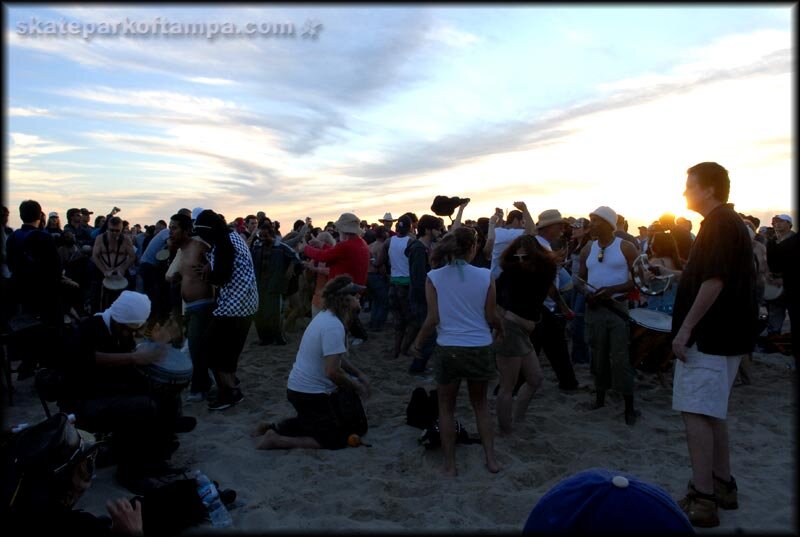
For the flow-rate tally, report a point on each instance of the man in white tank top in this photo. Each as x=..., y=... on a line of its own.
x=606, y=264
x=393, y=254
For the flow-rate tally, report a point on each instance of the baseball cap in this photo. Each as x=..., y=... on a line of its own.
x=53, y=214
x=600, y=500
x=785, y=218
x=84, y=210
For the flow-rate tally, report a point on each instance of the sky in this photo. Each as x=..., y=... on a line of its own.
x=379, y=108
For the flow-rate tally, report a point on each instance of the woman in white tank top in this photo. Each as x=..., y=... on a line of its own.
x=461, y=306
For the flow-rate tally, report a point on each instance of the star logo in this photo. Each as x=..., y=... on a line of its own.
x=311, y=28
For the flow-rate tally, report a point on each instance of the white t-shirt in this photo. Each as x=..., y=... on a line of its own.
x=502, y=238
x=325, y=336
x=461, y=294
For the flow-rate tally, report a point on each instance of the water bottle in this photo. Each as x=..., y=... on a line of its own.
x=220, y=518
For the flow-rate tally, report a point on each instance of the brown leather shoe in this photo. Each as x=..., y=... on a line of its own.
x=700, y=509
x=727, y=493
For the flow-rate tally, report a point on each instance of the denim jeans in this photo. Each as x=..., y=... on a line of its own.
x=580, y=350
x=378, y=286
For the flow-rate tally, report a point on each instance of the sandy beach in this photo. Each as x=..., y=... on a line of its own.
x=394, y=486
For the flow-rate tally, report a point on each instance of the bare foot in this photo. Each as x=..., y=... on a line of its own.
x=493, y=467
x=449, y=472
x=267, y=441
x=260, y=429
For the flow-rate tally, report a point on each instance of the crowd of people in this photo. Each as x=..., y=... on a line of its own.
x=477, y=298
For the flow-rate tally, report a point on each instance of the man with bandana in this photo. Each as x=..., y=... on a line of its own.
x=103, y=388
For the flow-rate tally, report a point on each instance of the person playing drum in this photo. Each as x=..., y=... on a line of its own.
x=664, y=258
x=103, y=388
x=112, y=254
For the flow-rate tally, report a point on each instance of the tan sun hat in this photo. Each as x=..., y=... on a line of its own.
x=387, y=218
x=349, y=223
x=550, y=217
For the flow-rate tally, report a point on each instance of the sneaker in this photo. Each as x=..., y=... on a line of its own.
x=700, y=509
x=222, y=402
x=727, y=493
x=195, y=397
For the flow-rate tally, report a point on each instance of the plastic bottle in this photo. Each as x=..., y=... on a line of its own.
x=217, y=512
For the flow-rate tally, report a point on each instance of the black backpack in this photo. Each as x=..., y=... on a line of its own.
x=423, y=409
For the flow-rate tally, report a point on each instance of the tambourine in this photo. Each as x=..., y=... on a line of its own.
x=647, y=282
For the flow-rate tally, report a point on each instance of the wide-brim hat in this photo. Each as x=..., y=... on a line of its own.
x=349, y=223
x=387, y=218
x=52, y=445
x=550, y=217
x=446, y=206
x=604, y=501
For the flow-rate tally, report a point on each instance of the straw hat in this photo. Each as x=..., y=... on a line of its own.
x=550, y=217
x=349, y=223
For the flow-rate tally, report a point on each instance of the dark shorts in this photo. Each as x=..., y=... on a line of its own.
x=315, y=418
x=224, y=340
x=468, y=363
x=516, y=340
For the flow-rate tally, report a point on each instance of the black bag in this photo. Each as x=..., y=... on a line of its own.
x=172, y=508
x=423, y=409
x=431, y=437
x=349, y=411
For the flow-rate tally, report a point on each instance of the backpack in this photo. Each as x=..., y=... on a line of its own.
x=423, y=409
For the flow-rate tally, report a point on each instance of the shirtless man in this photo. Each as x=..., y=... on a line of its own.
x=112, y=254
x=197, y=295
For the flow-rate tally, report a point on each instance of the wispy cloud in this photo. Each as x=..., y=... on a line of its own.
x=25, y=147
x=211, y=81
x=19, y=111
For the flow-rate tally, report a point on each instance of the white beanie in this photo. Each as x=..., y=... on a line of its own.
x=129, y=308
x=606, y=213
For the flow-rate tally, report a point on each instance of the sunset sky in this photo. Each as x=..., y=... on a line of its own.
x=565, y=107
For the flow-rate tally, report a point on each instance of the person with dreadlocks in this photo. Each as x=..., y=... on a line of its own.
x=319, y=371
x=230, y=268
x=462, y=309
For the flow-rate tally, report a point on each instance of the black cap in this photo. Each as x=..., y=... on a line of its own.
x=84, y=210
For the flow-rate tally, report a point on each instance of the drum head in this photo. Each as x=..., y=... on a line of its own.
x=771, y=292
x=115, y=283
x=654, y=320
x=162, y=255
x=174, y=367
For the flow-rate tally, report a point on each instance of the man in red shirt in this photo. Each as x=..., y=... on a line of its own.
x=350, y=256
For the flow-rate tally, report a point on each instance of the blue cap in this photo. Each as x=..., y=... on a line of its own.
x=604, y=501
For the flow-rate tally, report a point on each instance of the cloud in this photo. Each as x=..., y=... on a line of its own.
x=452, y=37
x=17, y=111
x=211, y=81
x=25, y=147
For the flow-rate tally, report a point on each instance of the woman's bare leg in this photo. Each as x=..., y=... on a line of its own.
x=477, y=397
x=446, y=394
